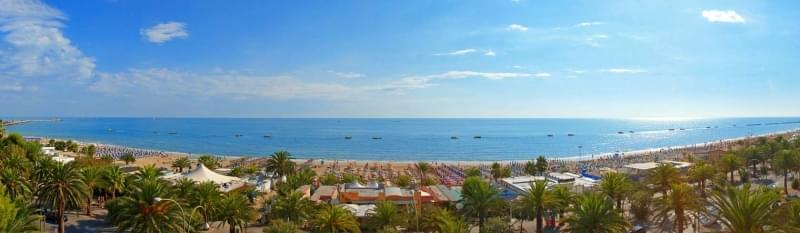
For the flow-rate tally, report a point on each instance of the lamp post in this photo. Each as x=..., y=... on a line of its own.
x=183, y=214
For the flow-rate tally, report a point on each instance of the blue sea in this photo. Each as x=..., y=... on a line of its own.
x=403, y=139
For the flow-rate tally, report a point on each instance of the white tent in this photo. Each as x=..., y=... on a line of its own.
x=203, y=174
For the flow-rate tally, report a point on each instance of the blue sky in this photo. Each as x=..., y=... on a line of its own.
x=399, y=59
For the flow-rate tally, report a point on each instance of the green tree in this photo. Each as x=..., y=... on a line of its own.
x=541, y=165
x=280, y=163
x=616, y=186
x=789, y=217
x=403, y=181
x=91, y=150
x=211, y=162
x=236, y=211
x=595, y=213
x=539, y=200
x=498, y=225
x=128, y=158
x=208, y=196
x=181, y=163
x=386, y=214
x=63, y=189
x=744, y=209
x=16, y=216
x=499, y=171
x=329, y=179
x=641, y=203
x=423, y=167
x=93, y=178
x=700, y=173
x=530, y=168
x=785, y=161
x=662, y=177
x=332, y=218
x=478, y=198
x=146, y=209
x=472, y=171
x=730, y=163
x=16, y=185
x=292, y=207
x=114, y=180
x=676, y=207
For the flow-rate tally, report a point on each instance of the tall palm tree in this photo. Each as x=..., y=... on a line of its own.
x=700, y=173
x=386, y=214
x=662, y=177
x=530, y=168
x=595, y=213
x=292, y=207
x=114, y=179
x=128, y=158
x=745, y=210
x=24, y=220
x=93, y=178
x=499, y=171
x=541, y=165
x=539, y=199
x=641, y=202
x=206, y=195
x=334, y=219
x=184, y=188
x=478, y=198
x=236, y=211
x=564, y=198
x=209, y=161
x=148, y=172
x=146, y=209
x=676, y=207
x=785, y=161
x=16, y=185
x=181, y=163
x=280, y=163
x=423, y=167
x=616, y=186
x=730, y=163
x=443, y=221
x=64, y=189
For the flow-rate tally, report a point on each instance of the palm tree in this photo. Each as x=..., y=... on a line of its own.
x=148, y=172
x=539, y=199
x=662, y=177
x=235, y=210
x=700, y=173
x=478, y=198
x=676, y=206
x=24, y=220
x=564, y=198
x=114, y=179
x=181, y=163
x=292, y=207
x=423, y=167
x=146, y=209
x=64, y=189
x=93, y=178
x=386, y=214
x=445, y=222
x=541, y=165
x=209, y=161
x=730, y=163
x=16, y=185
x=280, y=163
x=500, y=171
x=184, y=188
x=784, y=161
x=128, y=158
x=206, y=195
x=616, y=186
x=744, y=209
x=595, y=213
x=641, y=201
x=789, y=220
x=332, y=218
x=530, y=168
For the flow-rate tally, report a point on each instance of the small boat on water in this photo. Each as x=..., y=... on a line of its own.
x=172, y=133
x=631, y=131
x=348, y=137
x=550, y=135
x=682, y=129
x=671, y=129
x=238, y=135
x=708, y=127
x=477, y=137
x=453, y=137
x=570, y=135
x=620, y=132
x=377, y=138
x=267, y=136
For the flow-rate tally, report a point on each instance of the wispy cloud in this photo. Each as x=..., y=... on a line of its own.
x=490, y=53
x=457, y=52
x=624, y=71
x=543, y=75
x=348, y=75
x=35, y=46
x=587, y=24
x=517, y=28
x=594, y=40
x=722, y=16
x=164, y=32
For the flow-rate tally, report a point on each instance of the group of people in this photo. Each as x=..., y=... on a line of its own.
x=118, y=151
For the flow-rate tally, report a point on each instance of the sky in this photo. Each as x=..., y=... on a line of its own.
x=414, y=58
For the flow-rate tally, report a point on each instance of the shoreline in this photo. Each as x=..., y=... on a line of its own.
x=579, y=158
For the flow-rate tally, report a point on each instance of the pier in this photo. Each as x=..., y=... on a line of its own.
x=6, y=123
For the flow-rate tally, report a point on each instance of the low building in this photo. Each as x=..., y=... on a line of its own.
x=520, y=184
x=400, y=196
x=639, y=170
x=327, y=194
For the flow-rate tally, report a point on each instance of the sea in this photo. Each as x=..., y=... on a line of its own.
x=403, y=139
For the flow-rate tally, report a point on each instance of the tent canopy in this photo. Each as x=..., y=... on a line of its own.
x=203, y=174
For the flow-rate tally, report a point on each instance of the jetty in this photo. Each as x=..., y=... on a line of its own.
x=5, y=123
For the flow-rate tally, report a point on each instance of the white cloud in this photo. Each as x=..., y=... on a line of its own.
x=35, y=44
x=624, y=71
x=516, y=27
x=543, y=75
x=490, y=53
x=164, y=32
x=723, y=16
x=457, y=52
x=587, y=24
x=348, y=75
x=16, y=87
x=594, y=40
